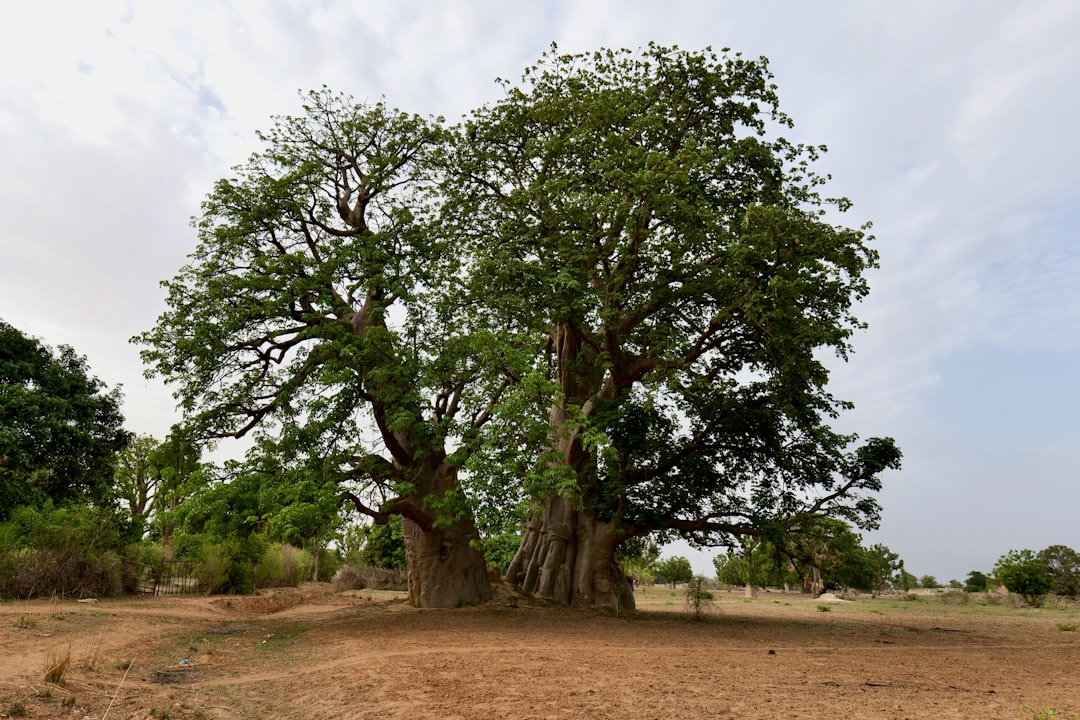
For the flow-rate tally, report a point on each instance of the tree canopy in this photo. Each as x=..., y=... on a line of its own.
x=316, y=311
x=600, y=304
x=632, y=207
x=1025, y=573
x=60, y=427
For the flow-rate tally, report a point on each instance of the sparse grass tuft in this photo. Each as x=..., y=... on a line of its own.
x=27, y=622
x=56, y=665
x=822, y=607
x=1044, y=714
x=16, y=709
x=1066, y=627
x=91, y=660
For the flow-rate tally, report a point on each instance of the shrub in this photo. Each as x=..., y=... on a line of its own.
x=350, y=577
x=499, y=550
x=1025, y=574
x=62, y=551
x=282, y=565
x=698, y=599
x=955, y=597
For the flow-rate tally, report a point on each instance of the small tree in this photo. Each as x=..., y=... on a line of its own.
x=1024, y=573
x=698, y=598
x=674, y=570
x=730, y=569
x=638, y=558
x=135, y=477
x=928, y=581
x=886, y=565
x=1063, y=564
x=60, y=427
x=384, y=546
x=976, y=582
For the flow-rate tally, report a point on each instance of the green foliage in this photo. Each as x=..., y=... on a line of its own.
x=730, y=569
x=323, y=307
x=698, y=599
x=976, y=582
x=1025, y=573
x=1063, y=564
x=60, y=428
x=885, y=567
x=282, y=565
x=384, y=546
x=63, y=551
x=499, y=550
x=1042, y=714
x=928, y=581
x=830, y=546
x=674, y=570
x=371, y=274
x=832, y=550
x=631, y=206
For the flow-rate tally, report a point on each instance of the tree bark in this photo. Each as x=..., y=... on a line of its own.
x=567, y=556
x=445, y=570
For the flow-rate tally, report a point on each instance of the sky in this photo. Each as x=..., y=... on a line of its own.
x=947, y=126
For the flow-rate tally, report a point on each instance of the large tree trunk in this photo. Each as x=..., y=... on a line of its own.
x=445, y=569
x=567, y=556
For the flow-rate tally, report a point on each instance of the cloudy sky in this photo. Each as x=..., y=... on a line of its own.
x=947, y=123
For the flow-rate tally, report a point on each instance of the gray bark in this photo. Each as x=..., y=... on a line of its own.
x=568, y=557
x=445, y=570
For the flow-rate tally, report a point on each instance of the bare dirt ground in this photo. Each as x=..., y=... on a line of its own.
x=310, y=653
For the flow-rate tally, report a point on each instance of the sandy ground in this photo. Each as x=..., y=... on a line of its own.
x=310, y=653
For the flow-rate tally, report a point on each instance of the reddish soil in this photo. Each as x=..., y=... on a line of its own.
x=310, y=653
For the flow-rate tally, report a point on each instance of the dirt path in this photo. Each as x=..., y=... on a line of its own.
x=309, y=653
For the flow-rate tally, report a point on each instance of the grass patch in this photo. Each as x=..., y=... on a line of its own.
x=1066, y=627
x=56, y=665
x=92, y=657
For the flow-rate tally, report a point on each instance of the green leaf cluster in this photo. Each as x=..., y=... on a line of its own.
x=60, y=427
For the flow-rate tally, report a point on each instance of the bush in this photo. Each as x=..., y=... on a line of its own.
x=1024, y=573
x=499, y=550
x=212, y=569
x=351, y=577
x=698, y=599
x=955, y=597
x=62, y=551
x=282, y=566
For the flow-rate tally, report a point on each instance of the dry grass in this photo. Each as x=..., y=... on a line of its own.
x=92, y=658
x=349, y=577
x=57, y=662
